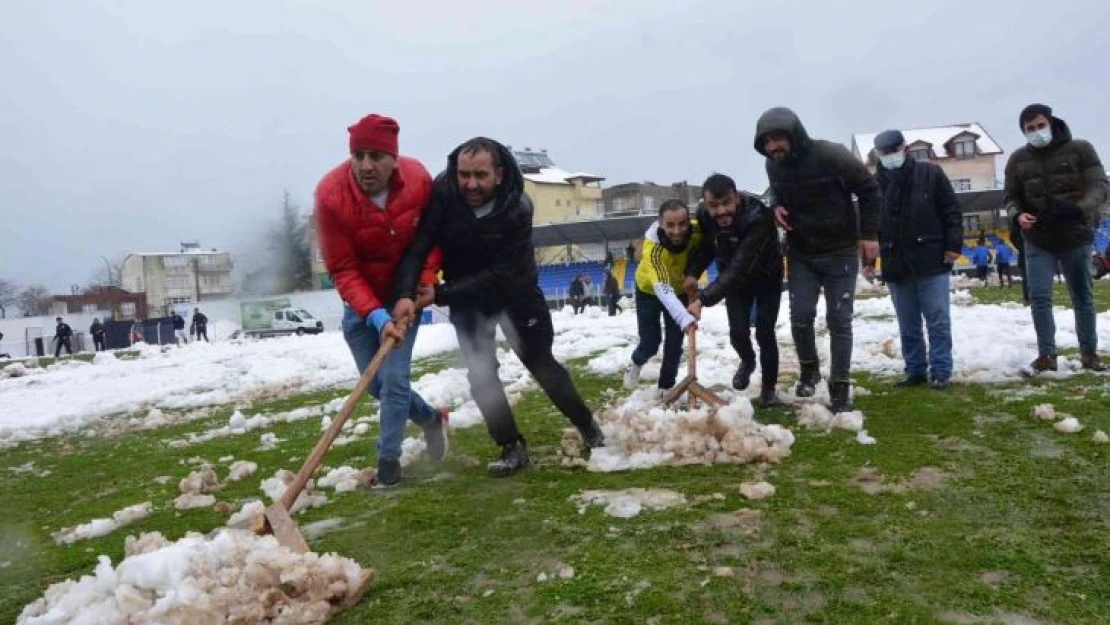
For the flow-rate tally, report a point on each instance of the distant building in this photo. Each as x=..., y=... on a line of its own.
x=644, y=198
x=558, y=195
x=190, y=276
x=109, y=301
x=321, y=279
x=966, y=152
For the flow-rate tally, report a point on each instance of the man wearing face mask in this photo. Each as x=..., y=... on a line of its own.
x=482, y=220
x=740, y=235
x=812, y=184
x=920, y=236
x=1055, y=186
x=668, y=243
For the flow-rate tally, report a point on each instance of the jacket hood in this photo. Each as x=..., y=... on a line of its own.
x=1060, y=132
x=782, y=119
x=512, y=181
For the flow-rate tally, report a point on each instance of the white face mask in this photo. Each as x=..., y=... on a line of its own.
x=893, y=161
x=1039, y=138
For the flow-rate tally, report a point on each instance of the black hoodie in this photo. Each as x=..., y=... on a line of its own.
x=487, y=261
x=1062, y=184
x=815, y=183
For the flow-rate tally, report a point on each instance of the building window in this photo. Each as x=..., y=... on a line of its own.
x=139, y=284
x=649, y=205
x=176, y=282
x=920, y=154
x=89, y=308
x=127, y=309
x=210, y=261
x=961, y=184
x=174, y=261
x=170, y=301
x=965, y=149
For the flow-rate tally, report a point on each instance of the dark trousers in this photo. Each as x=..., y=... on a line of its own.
x=1004, y=274
x=63, y=342
x=613, y=306
x=648, y=311
x=835, y=274
x=578, y=303
x=202, y=333
x=766, y=304
x=527, y=326
x=98, y=342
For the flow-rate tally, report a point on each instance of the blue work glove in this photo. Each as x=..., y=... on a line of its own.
x=377, y=319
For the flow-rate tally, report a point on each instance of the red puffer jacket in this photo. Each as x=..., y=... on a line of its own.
x=363, y=244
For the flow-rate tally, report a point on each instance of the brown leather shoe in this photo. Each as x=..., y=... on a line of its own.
x=1091, y=362
x=1043, y=363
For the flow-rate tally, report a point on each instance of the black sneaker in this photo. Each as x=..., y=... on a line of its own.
x=743, y=376
x=913, y=379
x=940, y=383
x=435, y=437
x=807, y=383
x=768, y=398
x=389, y=474
x=514, y=457
x=841, y=395
x=592, y=436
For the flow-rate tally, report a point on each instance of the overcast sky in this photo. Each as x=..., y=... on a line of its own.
x=135, y=125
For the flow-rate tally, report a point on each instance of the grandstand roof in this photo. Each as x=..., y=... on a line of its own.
x=591, y=231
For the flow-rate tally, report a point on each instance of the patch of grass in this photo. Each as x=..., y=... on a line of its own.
x=981, y=509
x=997, y=295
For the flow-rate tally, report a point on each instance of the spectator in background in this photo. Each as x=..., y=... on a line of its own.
x=200, y=325
x=981, y=258
x=612, y=292
x=1003, y=257
x=179, y=328
x=97, y=332
x=63, y=334
x=2, y=354
x=630, y=253
x=1055, y=185
x=577, y=294
x=609, y=260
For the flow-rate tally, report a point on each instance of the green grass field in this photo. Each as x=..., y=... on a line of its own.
x=967, y=510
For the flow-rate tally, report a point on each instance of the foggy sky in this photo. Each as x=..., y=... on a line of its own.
x=136, y=125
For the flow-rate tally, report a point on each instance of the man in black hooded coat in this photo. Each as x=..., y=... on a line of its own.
x=481, y=219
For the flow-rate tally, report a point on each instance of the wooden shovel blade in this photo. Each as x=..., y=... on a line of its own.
x=709, y=396
x=674, y=393
x=285, y=529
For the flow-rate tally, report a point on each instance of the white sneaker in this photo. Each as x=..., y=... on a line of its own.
x=632, y=377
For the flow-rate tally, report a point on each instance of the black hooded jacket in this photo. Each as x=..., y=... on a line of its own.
x=487, y=261
x=921, y=220
x=748, y=255
x=1062, y=184
x=815, y=183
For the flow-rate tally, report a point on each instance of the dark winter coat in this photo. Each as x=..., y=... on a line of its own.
x=920, y=221
x=96, y=329
x=178, y=322
x=748, y=255
x=1062, y=184
x=815, y=183
x=362, y=243
x=487, y=262
x=63, y=331
x=200, y=321
x=577, y=288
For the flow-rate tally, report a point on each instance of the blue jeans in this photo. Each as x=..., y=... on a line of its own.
x=836, y=274
x=924, y=297
x=648, y=311
x=1040, y=267
x=397, y=401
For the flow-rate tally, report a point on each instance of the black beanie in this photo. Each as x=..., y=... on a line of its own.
x=1032, y=111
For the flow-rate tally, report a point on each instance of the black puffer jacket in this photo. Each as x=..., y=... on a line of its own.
x=1062, y=184
x=815, y=183
x=920, y=221
x=748, y=255
x=486, y=262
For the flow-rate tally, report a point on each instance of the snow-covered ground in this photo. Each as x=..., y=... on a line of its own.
x=992, y=343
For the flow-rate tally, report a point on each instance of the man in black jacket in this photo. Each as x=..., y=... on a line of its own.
x=740, y=234
x=97, y=332
x=481, y=219
x=812, y=183
x=62, y=335
x=200, y=325
x=920, y=236
x=1055, y=185
x=179, y=328
x=577, y=293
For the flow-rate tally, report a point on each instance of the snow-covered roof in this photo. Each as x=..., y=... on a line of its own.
x=863, y=144
x=185, y=253
x=554, y=175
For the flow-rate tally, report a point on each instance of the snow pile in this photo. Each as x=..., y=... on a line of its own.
x=268, y=441
x=250, y=510
x=1100, y=438
x=1044, y=412
x=627, y=503
x=201, y=481
x=104, y=358
x=188, y=501
x=103, y=527
x=241, y=469
x=756, y=490
x=1068, y=425
x=346, y=479
x=639, y=434
x=816, y=416
x=15, y=370
x=275, y=486
x=1063, y=422
x=863, y=438
x=233, y=577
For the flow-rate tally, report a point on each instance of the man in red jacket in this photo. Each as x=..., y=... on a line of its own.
x=367, y=210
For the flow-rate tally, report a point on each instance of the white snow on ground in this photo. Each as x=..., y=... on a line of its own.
x=992, y=344
x=202, y=580
x=103, y=527
x=629, y=502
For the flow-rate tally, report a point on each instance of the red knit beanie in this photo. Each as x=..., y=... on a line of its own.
x=375, y=133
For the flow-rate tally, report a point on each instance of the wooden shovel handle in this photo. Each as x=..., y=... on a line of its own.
x=692, y=365
x=322, y=446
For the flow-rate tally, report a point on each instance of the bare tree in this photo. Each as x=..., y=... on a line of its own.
x=9, y=295
x=35, y=300
x=288, y=246
x=109, y=273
